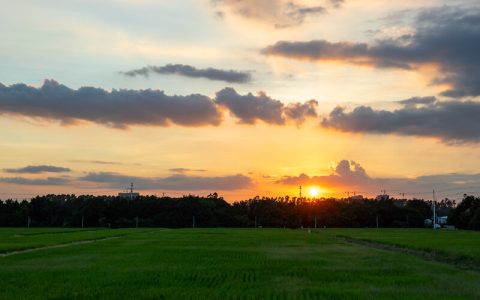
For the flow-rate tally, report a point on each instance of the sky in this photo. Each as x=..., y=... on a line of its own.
x=240, y=97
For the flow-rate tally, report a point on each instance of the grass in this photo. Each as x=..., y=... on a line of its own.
x=455, y=243
x=225, y=264
x=22, y=238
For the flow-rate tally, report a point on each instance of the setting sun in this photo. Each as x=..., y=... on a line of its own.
x=314, y=191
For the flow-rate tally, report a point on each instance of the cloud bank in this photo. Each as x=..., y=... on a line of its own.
x=175, y=182
x=351, y=176
x=124, y=108
x=38, y=169
x=346, y=173
x=448, y=38
x=450, y=121
x=40, y=181
x=118, y=108
x=230, y=76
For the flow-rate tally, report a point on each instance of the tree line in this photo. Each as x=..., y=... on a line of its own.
x=214, y=211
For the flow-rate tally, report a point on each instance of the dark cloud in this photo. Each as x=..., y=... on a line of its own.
x=38, y=169
x=231, y=76
x=415, y=101
x=346, y=173
x=278, y=13
x=29, y=181
x=175, y=182
x=450, y=121
x=446, y=37
x=351, y=176
x=299, y=112
x=185, y=170
x=250, y=108
x=119, y=108
x=123, y=108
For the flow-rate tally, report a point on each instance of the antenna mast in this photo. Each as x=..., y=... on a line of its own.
x=131, y=191
x=434, y=211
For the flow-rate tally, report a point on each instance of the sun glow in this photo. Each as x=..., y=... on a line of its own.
x=314, y=191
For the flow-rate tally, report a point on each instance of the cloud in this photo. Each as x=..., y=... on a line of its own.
x=98, y=162
x=449, y=121
x=231, y=76
x=250, y=108
x=185, y=170
x=337, y=3
x=28, y=181
x=124, y=108
x=346, y=173
x=351, y=176
x=277, y=13
x=415, y=101
x=118, y=108
x=299, y=112
x=446, y=37
x=38, y=169
x=175, y=182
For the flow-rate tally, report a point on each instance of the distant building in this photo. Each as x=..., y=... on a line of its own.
x=129, y=194
x=382, y=197
x=442, y=220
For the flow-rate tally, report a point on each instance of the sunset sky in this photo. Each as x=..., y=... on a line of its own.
x=240, y=97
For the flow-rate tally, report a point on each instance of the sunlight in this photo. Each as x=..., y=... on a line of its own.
x=314, y=191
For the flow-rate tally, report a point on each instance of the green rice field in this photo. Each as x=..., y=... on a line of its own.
x=231, y=264
x=455, y=242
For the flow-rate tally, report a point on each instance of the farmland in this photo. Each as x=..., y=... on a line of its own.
x=454, y=242
x=231, y=264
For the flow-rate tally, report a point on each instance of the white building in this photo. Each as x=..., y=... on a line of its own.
x=129, y=194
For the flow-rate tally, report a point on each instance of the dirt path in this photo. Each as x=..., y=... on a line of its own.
x=460, y=261
x=14, y=252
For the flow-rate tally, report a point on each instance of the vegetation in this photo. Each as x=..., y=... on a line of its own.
x=20, y=239
x=467, y=214
x=457, y=244
x=214, y=211
x=227, y=264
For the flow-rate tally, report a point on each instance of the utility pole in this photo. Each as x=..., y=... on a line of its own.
x=434, y=211
x=131, y=191
x=300, y=193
